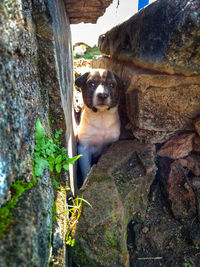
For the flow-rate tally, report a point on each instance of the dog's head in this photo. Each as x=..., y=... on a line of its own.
x=100, y=89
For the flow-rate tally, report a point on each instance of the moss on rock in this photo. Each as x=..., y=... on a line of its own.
x=118, y=187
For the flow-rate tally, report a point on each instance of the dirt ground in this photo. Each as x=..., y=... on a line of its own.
x=161, y=240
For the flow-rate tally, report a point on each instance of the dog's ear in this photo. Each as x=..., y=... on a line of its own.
x=119, y=81
x=81, y=80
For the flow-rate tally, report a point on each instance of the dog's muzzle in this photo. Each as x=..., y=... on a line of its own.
x=101, y=96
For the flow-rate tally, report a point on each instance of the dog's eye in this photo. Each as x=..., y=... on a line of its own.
x=91, y=84
x=111, y=85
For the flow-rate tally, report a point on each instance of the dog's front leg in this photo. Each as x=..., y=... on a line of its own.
x=85, y=160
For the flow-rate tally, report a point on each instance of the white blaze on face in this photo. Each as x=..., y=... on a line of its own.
x=98, y=102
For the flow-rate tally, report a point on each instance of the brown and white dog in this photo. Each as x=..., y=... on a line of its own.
x=99, y=124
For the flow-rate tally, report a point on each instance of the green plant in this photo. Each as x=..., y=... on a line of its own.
x=49, y=153
x=188, y=264
x=55, y=183
x=6, y=215
x=91, y=52
x=39, y=35
x=54, y=211
x=177, y=238
x=74, y=214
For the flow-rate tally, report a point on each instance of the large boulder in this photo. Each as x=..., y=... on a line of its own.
x=164, y=36
x=117, y=190
x=159, y=106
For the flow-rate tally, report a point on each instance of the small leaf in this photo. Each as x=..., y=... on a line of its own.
x=37, y=148
x=55, y=183
x=58, y=168
x=40, y=165
x=51, y=166
x=73, y=242
x=66, y=167
x=36, y=155
x=48, y=151
x=83, y=200
x=4, y=212
x=65, y=158
x=51, y=158
x=52, y=147
x=38, y=170
x=58, y=133
x=63, y=150
x=39, y=130
x=39, y=35
x=42, y=162
x=74, y=159
x=58, y=159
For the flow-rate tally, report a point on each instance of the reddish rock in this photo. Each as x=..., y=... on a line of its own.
x=178, y=189
x=177, y=147
x=196, y=144
x=196, y=184
x=85, y=11
x=192, y=163
x=197, y=125
x=196, y=187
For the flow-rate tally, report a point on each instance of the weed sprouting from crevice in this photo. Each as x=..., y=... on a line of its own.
x=49, y=153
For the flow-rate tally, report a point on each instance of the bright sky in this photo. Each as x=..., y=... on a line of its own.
x=89, y=33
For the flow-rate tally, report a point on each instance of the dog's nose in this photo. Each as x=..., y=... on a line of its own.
x=102, y=95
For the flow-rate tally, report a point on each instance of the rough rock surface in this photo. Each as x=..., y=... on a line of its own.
x=29, y=90
x=178, y=190
x=23, y=95
x=162, y=240
x=196, y=187
x=196, y=145
x=162, y=105
x=164, y=36
x=197, y=125
x=157, y=105
x=85, y=11
x=159, y=230
x=117, y=190
x=169, y=235
x=192, y=163
x=177, y=146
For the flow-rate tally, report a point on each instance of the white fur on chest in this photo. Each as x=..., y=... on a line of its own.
x=98, y=129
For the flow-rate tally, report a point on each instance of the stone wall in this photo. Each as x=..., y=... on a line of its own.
x=156, y=52
x=36, y=69
x=158, y=105
x=32, y=76
x=145, y=192
x=161, y=88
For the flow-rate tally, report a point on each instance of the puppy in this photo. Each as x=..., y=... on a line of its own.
x=99, y=124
